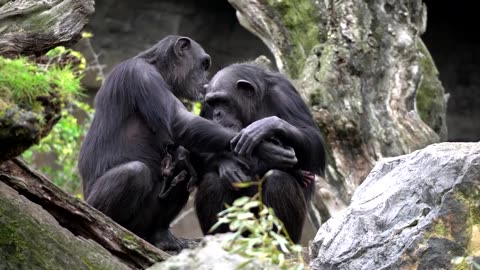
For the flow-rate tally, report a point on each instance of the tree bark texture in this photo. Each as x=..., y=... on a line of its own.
x=33, y=26
x=361, y=65
x=42, y=226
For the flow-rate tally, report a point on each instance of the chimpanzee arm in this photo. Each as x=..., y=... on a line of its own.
x=198, y=134
x=145, y=91
x=145, y=88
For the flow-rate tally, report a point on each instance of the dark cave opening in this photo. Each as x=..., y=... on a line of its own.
x=453, y=41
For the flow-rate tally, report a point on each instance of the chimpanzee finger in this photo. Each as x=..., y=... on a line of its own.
x=278, y=150
x=305, y=183
x=243, y=164
x=289, y=162
x=311, y=177
x=234, y=141
x=232, y=181
x=243, y=144
x=241, y=176
x=235, y=178
x=250, y=147
x=287, y=155
x=289, y=148
x=230, y=177
x=239, y=141
x=308, y=180
x=308, y=175
x=253, y=138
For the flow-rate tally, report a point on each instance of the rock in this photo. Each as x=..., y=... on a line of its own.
x=416, y=211
x=208, y=256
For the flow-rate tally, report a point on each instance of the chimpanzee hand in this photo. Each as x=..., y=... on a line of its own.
x=276, y=156
x=248, y=138
x=233, y=170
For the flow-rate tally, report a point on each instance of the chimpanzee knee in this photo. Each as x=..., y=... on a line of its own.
x=283, y=193
x=121, y=191
x=212, y=195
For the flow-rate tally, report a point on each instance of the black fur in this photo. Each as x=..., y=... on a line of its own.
x=137, y=116
x=237, y=97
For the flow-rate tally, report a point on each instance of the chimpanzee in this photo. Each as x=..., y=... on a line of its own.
x=268, y=105
x=138, y=121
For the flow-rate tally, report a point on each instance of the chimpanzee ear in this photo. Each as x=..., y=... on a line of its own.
x=246, y=86
x=181, y=45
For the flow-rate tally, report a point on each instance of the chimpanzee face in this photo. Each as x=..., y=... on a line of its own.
x=232, y=99
x=222, y=113
x=190, y=69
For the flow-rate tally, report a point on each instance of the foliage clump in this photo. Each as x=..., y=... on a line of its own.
x=22, y=80
x=258, y=234
x=63, y=142
x=25, y=83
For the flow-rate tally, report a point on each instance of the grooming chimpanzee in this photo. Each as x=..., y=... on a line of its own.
x=139, y=124
x=267, y=104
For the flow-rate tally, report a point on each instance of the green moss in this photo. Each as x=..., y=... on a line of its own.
x=128, y=238
x=473, y=225
x=462, y=266
x=440, y=230
x=21, y=81
x=301, y=20
x=88, y=263
x=470, y=200
x=429, y=98
x=10, y=241
x=30, y=240
x=129, y=241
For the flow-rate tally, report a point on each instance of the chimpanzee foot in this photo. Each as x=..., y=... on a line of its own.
x=308, y=178
x=166, y=241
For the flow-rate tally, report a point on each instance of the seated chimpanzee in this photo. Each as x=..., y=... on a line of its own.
x=139, y=124
x=267, y=106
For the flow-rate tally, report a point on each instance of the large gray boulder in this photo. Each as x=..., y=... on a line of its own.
x=416, y=211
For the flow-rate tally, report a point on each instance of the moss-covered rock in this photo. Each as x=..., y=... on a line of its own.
x=30, y=238
x=430, y=100
x=31, y=98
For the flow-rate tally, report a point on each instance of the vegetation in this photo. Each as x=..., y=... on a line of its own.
x=22, y=80
x=63, y=143
x=259, y=236
x=59, y=72
x=465, y=263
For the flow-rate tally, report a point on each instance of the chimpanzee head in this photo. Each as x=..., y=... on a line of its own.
x=183, y=64
x=243, y=93
x=236, y=95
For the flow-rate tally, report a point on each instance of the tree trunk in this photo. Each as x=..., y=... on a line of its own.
x=361, y=65
x=34, y=27
x=42, y=226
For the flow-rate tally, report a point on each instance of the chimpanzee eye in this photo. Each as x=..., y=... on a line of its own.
x=217, y=102
x=206, y=63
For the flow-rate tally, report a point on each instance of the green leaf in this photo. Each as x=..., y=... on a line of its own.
x=243, y=184
x=251, y=204
x=241, y=201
